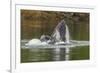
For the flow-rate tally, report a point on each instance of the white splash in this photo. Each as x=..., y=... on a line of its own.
x=35, y=42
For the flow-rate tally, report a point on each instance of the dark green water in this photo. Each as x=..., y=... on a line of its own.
x=43, y=55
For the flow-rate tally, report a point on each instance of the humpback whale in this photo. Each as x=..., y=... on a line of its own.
x=60, y=34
